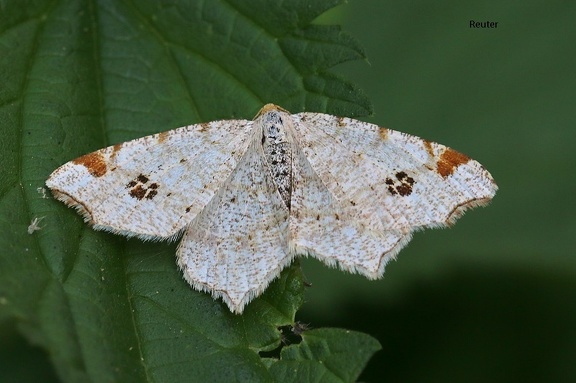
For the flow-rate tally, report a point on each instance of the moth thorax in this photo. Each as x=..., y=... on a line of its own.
x=278, y=153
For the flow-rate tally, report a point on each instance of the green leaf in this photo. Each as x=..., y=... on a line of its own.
x=76, y=76
x=325, y=355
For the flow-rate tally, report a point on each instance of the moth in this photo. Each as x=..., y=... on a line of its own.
x=247, y=196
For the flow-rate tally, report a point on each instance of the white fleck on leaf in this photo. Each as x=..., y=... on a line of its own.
x=42, y=191
x=248, y=196
x=34, y=225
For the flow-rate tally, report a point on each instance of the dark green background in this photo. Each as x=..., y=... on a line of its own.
x=494, y=298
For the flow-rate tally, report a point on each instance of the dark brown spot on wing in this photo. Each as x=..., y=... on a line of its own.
x=138, y=192
x=151, y=194
x=402, y=185
x=139, y=189
x=94, y=163
x=449, y=161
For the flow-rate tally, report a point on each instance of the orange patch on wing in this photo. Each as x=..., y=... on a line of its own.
x=162, y=137
x=383, y=132
x=94, y=162
x=115, y=149
x=449, y=161
x=428, y=147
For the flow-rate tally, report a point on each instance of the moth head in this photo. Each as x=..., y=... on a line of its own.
x=273, y=120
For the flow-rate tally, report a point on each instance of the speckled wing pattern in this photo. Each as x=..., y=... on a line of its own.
x=240, y=241
x=364, y=189
x=154, y=186
x=249, y=196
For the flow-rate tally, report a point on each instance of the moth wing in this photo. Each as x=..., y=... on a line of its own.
x=335, y=231
x=240, y=242
x=153, y=186
x=374, y=187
